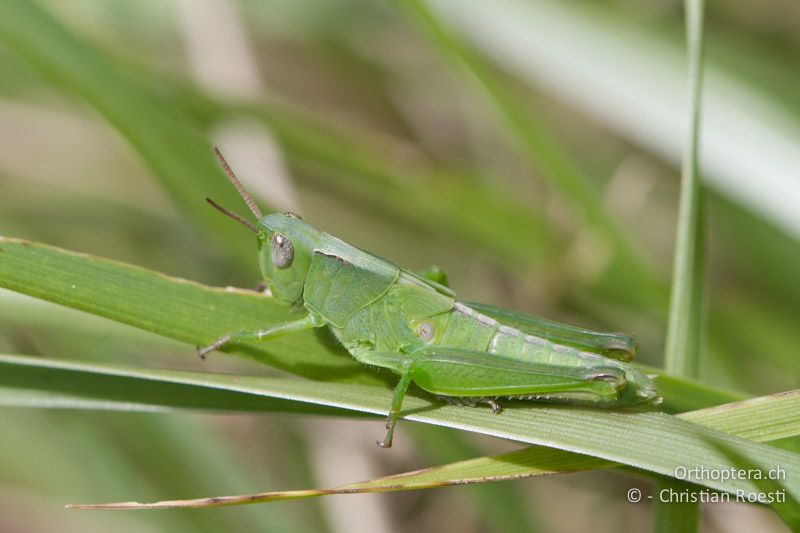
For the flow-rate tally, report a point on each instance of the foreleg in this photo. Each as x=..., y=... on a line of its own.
x=309, y=321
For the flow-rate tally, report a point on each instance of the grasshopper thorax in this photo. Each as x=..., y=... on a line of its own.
x=285, y=248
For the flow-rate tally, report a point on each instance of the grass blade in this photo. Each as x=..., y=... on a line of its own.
x=685, y=331
x=28, y=381
x=172, y=307
x=106, y=384
x=687, y=312
x=38, y=382
x=651, y=442
x=742, y=418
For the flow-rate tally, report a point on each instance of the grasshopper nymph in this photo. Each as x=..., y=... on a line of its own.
x=412, y=324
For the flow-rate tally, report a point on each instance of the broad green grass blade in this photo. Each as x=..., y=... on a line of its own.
x=180, y=158
x=171, y=307
x=600, y=435
x=652, y=442
x=38, y=382
x=27, y=381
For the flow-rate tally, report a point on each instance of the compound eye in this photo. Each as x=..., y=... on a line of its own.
x=281, y=250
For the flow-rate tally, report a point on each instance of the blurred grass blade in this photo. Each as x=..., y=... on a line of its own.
x=633, y=82
x=538, y=145
x=182, y=160
x=675, y=516
x=686, y=327
x=164, y=139
x=171, y=307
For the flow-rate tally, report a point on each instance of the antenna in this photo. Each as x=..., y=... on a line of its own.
x=242, y=192
x=238, y=218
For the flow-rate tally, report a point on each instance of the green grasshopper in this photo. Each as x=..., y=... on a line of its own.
x=412, y=324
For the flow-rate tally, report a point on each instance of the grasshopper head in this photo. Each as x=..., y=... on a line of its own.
x=286, y=244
